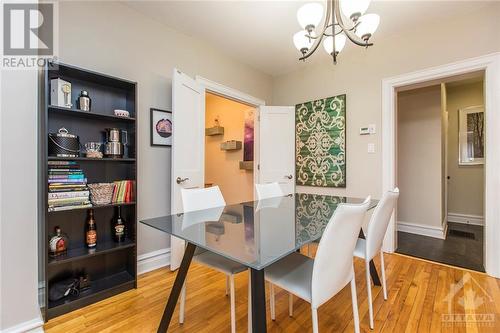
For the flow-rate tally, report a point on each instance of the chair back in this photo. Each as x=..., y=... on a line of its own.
x=333, y=264
x=270, y=190
x=201, y=198
x=377, y=227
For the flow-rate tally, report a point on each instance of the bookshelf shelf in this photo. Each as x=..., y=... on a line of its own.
x=111, y=267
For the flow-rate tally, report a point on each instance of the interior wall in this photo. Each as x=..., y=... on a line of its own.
x=466, y=184
x=359, y=74
x=419, y=156
x=113, y=38
x=222, y=167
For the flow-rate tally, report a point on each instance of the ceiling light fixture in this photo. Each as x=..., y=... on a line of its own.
x=335, y=31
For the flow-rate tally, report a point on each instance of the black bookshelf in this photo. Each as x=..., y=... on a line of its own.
x=111, y=266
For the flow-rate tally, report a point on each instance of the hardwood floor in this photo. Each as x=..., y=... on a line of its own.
x=417, y=302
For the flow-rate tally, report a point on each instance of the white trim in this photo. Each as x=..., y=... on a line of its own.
x=424, y=230
x=150, y=261
x=466, y=218
x=34, y=325
x=229, y=92
x=491, y=65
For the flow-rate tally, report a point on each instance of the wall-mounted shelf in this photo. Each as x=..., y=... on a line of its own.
x=246, y=165
x=87, y=114
x=231, y=145
x=216, y=130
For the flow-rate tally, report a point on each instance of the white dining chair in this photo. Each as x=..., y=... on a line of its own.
x=318, y=280
x=369, y=247
x=271, y=190
x=205, y=198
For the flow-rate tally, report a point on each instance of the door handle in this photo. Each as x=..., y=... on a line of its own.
x=289, y=176
x=180, y=180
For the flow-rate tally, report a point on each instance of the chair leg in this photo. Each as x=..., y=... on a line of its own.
x=369, y=290
x=382, y=267
x=233, y=306
x=354, y=299
x=272, y=302
x=182, y=305
x=249, y=302
x=314, y=320
x=290, y=304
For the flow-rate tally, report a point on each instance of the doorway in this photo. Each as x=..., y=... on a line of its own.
x=229, y=147
x=440, y=170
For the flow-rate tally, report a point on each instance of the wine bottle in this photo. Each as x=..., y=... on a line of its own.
x=119, y=228
x=91, y=230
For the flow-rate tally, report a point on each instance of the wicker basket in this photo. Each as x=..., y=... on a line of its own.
x=101, y=193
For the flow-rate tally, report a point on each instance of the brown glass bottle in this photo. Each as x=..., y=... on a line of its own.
x=91, y=230
x=119, y=228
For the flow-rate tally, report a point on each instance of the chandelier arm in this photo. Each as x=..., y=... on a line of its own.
x=348, y=32
x=317, y=42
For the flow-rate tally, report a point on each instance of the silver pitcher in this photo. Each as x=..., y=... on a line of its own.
x=115, y=140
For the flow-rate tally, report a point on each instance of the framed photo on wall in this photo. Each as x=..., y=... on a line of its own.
x=161, y=127
x=471, y=135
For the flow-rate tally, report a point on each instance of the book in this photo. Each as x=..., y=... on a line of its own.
x=66, y=176
x=56, y=209
x=68, y=181
x=67, y=201
x=62, y=163
x=69, y=194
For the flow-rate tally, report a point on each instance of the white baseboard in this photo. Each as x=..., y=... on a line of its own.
x=31, y=326
x=465, y=218
x=424, y=230
x=153, y=260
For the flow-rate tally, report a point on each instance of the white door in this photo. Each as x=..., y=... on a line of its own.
x=277, y=146
x=188, y=144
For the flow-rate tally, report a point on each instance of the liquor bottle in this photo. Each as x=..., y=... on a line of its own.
x=91, y=230
x=58, y=243
x=119, y=228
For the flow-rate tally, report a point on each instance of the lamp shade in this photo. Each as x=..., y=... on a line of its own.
x=355, y=8
x=301, y=41
x=340, y=40
x=310, y=14
x=368, y=24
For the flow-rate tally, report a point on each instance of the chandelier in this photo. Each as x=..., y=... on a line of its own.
x=344, y=19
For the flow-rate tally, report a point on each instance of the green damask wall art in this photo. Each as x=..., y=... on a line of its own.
x=320, y=142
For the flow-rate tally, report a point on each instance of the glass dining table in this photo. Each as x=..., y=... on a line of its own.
x=255, y=234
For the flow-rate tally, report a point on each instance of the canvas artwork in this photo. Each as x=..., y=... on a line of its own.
x=471, y=136
x=320, y=142
x=161, y=127
x=248, y=136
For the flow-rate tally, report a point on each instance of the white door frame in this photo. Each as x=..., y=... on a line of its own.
x=241, y=97
x=491, y=65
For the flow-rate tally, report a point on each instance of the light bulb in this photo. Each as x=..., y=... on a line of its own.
x=309, y=15
x=301, y=41
x=339, y=43
x=353, y=9
x=368, y=24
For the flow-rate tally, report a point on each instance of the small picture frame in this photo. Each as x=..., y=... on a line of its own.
x=471, y=135
x=161, y=127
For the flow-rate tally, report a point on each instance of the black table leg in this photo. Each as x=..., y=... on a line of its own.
x=258, y=301
x=373, y=269
x=176, y=289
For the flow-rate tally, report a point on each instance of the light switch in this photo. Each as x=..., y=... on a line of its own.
x=372, y=129
x=371, y=148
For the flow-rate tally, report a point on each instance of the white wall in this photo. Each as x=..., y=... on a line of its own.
x=18, y=193
x=359, y=74
x=419, y=157
x=113, y=38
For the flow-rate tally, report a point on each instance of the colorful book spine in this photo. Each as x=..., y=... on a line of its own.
x=69, y=194
x=66, y=176
x=56, y=209
x=65, y=201
x=72, y=181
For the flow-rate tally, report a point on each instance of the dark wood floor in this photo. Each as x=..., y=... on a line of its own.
x=456, y=249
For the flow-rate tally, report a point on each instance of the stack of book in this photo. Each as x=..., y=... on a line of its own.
x=123, y=191
x=67, y=186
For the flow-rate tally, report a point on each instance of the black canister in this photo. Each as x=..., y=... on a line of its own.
x=63, y=144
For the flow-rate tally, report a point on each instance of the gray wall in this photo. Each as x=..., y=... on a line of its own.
x=113, y=38
x=466, y=184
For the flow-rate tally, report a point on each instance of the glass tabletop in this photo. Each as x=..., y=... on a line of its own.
x=258, y=233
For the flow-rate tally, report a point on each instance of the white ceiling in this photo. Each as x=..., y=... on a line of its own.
x=259, y=33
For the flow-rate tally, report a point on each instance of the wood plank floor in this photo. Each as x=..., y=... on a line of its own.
x=417, y=302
